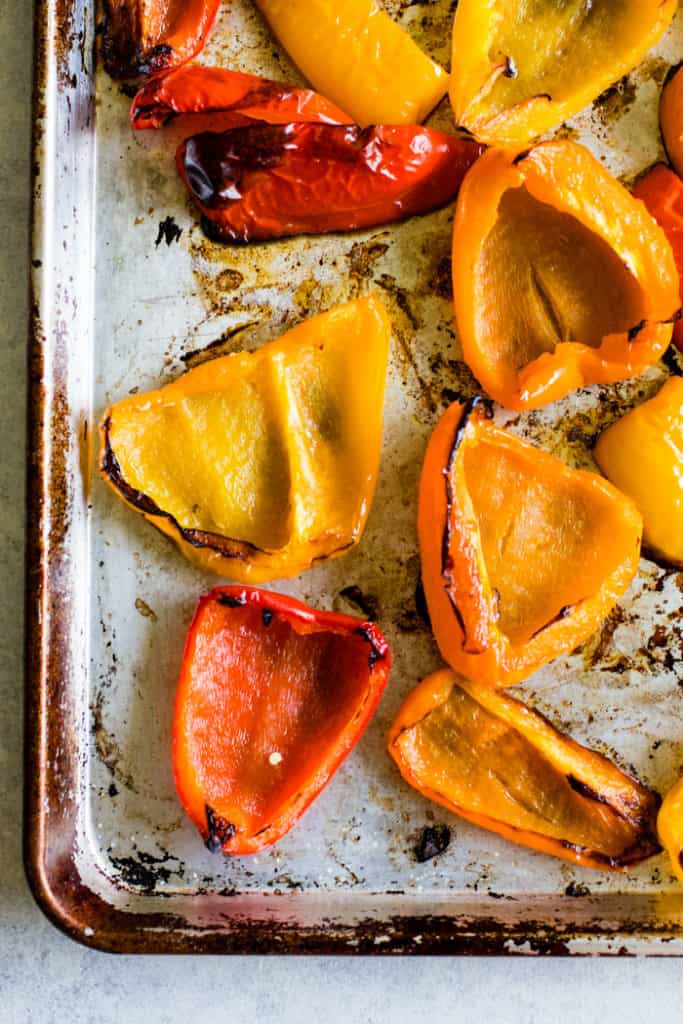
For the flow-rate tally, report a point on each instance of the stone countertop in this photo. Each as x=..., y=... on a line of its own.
x=45, y=977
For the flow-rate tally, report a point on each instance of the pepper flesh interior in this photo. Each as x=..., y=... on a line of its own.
x=547, y=544
x=502, y=765
x=275, y=450
x=545, y=278
x=255, y=691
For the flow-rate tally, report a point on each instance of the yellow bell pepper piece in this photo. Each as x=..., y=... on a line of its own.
x=521, y=67
x=355, y=54
x=642, y=454
x=259, y=463
x=670, y=827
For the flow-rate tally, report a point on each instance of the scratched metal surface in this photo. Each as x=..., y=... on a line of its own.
x=126, y=307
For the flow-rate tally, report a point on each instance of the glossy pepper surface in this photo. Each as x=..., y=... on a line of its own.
x=272, y=697
x=642, y=454
x=671, y=118
x=143, y=37
x=662, y=192
x=670, y=827
x=521, y=67
x=270, y=181
x=230, y=98
x=522, y=557
x=354, y=53
x=532, y=236
x=503, y=766
x=259, y=463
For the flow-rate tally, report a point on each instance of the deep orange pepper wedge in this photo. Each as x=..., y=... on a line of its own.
x=662, y=192
x=503, y=766
x=522, y=557
x=143, y=37
x=520, y=69
x=533, y=234
x=272, y=697
x=670, y=827
x=671, y=117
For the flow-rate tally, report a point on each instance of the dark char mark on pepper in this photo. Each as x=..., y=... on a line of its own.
x=267, y=616
x=220, y=830
x=376, y=652
x=434, y=840
x=231, y=602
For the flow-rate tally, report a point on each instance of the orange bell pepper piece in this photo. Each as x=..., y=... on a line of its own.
x=501, y=765
x=662, y=192
x=533, y=234
x=143, y=37
x=521, y=69
x=642, y=454
x=522, y=557
x=670, y=827
x=356, y=55
x=671, y=118
x=260, y=463
x=273, y=696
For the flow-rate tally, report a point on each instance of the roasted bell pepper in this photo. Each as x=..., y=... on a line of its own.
x=561, y=278
x=352, y=51
x=503, y=766
x=144, y=37
x=230, y=99
x=520, y=68
x=642, y=454
x=662, y=192
x=671, y=118
x=670, y=827
x=263, y=182
x=522, y=557
x=273, y=695
x=260, y=463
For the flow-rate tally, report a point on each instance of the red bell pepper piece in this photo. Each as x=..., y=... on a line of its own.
x=143, y=37
x=272, y=697
x=269, y=181
x=662, y=192
x=234, y=98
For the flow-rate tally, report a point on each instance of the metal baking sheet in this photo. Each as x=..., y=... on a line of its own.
x=127, y=293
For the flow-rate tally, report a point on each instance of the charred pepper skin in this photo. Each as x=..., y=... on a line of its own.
x=273, y=695
x=146, y=37
x=272, y=181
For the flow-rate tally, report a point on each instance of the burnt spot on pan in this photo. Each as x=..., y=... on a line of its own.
x=363, y=602
x=616, y=101
x=230, y=341
x=168, y=232
x=433, y=841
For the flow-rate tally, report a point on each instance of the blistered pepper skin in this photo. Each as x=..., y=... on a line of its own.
x=258, y=464
x=231, y=98
x=642, y=454
x=273, y=695
x=357, y=56
x=145, y=37
x=522, y=556
x=521, y=69
x=271, y=181
x=532, y=234
x=501, y=765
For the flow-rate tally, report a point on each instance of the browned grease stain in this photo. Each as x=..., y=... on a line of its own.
x=231, y=340
x=616, y=101
x=144, y=609
x=108, y=750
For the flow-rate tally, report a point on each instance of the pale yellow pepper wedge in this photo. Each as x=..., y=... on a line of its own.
x=642, y=454
x=357, y=56
x=670, y=827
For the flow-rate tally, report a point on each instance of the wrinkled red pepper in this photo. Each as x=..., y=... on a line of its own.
x=662, y=192
x=270, y=181
x=272, y=697
x=143, y=37
x=230, y=98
